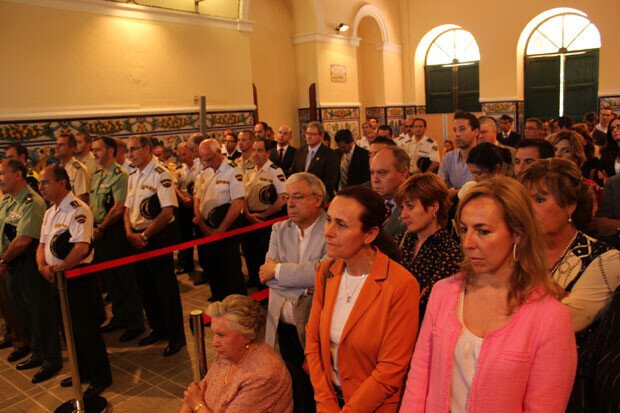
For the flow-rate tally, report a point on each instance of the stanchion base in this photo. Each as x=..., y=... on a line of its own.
x=94, y=404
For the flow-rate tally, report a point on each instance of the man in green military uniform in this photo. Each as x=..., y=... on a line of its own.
x=31, y=294
x=107, y=195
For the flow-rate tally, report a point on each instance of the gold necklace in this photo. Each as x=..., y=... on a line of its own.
x=559, y=261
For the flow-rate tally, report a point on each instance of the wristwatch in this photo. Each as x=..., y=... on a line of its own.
x=198, y=407
x=3, y=261
x=144, y=237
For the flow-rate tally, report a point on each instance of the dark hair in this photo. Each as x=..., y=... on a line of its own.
x=506, y=117
x=266, y=143
x=372, y=117
x=59, y=173
x=108, y=142
x=538, y=122
x=16, y=165
x=233, y=135
x=565, y=122
x=545, y=149
x=19, y=148
x=197, y=138
x=344, y=135
x=488, y=156
x=590, y=117
x=373, y=214
x=265, y=126
x=383, y=139
x=70, y=139
x=387, y=128
x=474, y=123
x=86, y=136
x=419, y=119
x=248, y=131
x=565, y=183
x=327, y=138
x=145, y=140
x=610, y=152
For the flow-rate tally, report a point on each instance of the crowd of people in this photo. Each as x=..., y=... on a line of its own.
x=482, y=276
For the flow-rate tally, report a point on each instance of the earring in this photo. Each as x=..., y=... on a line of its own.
x=570, y=219
x=515, y=258
x=247, y=346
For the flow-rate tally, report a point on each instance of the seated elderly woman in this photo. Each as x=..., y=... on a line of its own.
x=247, y=375
x=428, y=250
x=587, y=269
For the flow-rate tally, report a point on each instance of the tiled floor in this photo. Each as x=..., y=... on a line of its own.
x=144, y=380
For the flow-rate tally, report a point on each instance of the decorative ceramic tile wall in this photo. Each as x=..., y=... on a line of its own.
x=612, y=102
x=333, y=120
x=513, y=108
x=39, y=136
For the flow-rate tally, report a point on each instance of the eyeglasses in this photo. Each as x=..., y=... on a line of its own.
x=312, y=133
x=132, y=149
x=296, y=198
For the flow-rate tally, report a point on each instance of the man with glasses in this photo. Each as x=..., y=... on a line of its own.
x=297, y=246
x=404, y=139
x=318, y=159
x=66, y=242
x=218, y=202
x=108, y=205
x=150, y=225
x=230, y=146
x=66, y=145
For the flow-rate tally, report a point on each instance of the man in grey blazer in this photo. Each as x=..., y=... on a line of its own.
x=296, y=247
x=388, y=169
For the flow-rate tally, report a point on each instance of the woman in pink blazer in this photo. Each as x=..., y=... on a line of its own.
x=494, y=338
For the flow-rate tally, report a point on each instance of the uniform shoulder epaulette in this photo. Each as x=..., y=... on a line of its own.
x=77, y=165
x=233, y=164
x=75, y=204
x=159, y=169
x=274, y=166
x=98, y=171
x=28, y=199
x=117, y=170
x=431, y=140
x=250, y=167
x=133, y=172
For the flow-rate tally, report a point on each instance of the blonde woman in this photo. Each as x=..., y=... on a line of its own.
x=247, y=375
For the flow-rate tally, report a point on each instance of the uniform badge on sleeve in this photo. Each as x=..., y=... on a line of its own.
x=74, y=204
x=81, y=218
x=28, y=199
x=239, y=177
x=117, y=170
x=281, y=178
x=166, y=183
x=159, y=169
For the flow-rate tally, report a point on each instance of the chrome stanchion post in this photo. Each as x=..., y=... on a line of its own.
x=95, y=404
x=200, y=367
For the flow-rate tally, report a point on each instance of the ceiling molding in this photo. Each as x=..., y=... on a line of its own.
x=315, y=37
x=133, y=11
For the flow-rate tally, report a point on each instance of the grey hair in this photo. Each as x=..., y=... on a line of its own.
x=212, y=143
x=317, y=125
x=489, y=121
x=316, y=185
x=246, y=316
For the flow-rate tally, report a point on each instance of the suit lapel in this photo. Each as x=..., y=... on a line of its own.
x=292, y=241
x=370, y=290
x=316, y=238
x=317, y=157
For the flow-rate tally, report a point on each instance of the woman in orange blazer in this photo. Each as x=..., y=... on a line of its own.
x=364, y=318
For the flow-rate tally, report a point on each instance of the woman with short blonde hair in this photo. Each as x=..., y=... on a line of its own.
x=568, y=145
x=248, y=375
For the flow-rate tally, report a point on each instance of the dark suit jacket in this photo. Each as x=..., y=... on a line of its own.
x=599, y=138
x=359, y=169
x=325, y=165
x=512, y=140
x=287, y=159
x=609, y=207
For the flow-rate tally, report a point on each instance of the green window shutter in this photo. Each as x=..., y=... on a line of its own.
x=439, y=89
x=542, y=87
x=468, y=90
x=580, y=84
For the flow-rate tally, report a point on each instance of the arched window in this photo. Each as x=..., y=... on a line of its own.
x=561, y=67
x=452, y=73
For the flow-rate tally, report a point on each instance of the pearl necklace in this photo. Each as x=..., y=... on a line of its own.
x=559, y=261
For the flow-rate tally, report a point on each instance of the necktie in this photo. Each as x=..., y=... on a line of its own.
x=388, y=212
x=280, y=156
x=308, y=159
x=344, y=170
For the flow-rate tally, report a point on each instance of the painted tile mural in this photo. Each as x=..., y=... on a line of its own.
x=170, y=129
x=376, y=112
x=335, y=119
x=612, y=102
x=514, y=109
